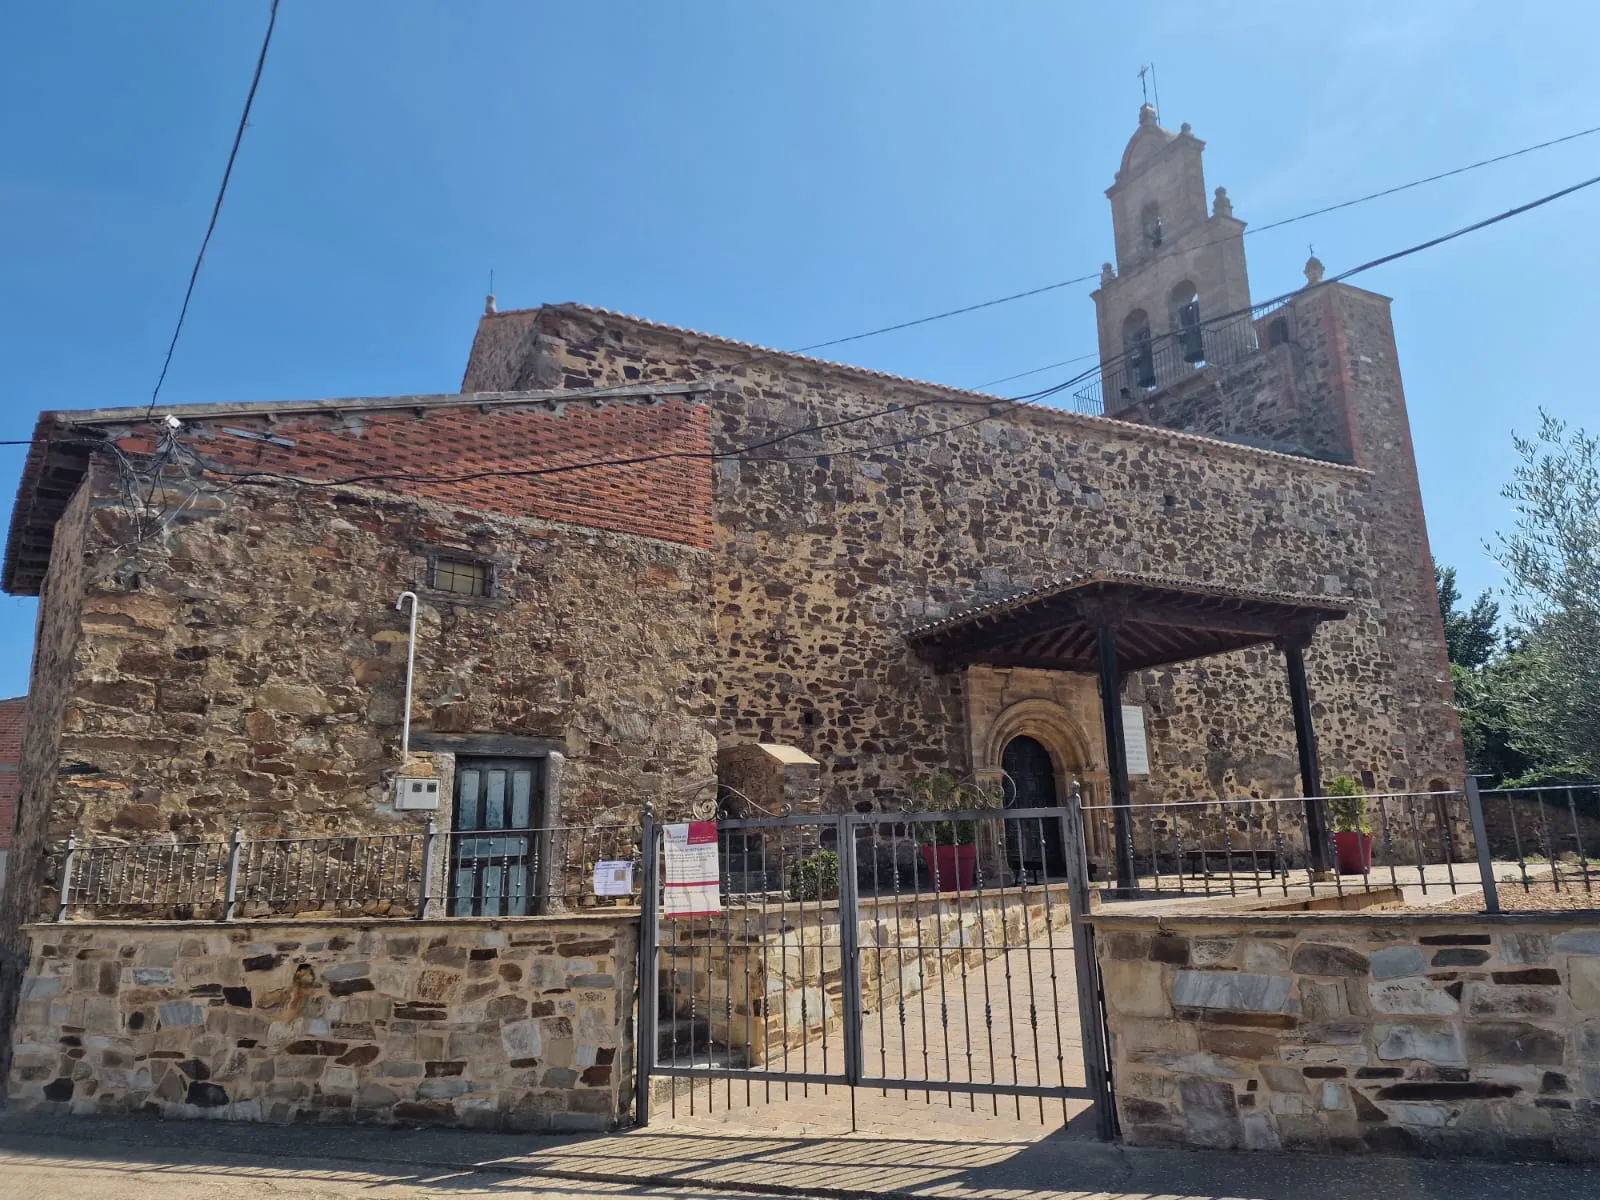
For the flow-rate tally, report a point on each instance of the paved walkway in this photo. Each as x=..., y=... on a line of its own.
x=85, y=1156
x=1011, y=1018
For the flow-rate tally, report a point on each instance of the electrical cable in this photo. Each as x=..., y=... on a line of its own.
x=1050, y=287
x=996, y=406
x=216, y=209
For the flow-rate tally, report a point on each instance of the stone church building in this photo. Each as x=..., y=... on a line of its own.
x=636, y=547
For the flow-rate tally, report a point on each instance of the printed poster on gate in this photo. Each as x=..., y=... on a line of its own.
x=693, y=886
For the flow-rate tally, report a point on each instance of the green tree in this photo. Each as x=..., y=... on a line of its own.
x=1469, y=634
x=1552, y=560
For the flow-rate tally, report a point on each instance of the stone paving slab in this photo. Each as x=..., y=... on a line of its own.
x=647, y=1161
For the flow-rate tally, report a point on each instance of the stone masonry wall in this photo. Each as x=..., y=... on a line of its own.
x=250, y=666
x=56, y=646
x=831, y=544
x=518, y=1025
x=1450, y=1033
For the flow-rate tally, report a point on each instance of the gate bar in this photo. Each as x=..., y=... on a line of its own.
x=645, y=1031
x=849, y=954
x=1087, y=970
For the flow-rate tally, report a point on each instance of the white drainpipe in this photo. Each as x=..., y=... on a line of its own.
x=411, y=660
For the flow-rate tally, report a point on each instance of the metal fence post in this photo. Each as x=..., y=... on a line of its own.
x=849, y=950
x=67, y=864
x=649, y=968
x=235, y=844
x=1480, y=835
x=1096, y=1065
x=429, y=833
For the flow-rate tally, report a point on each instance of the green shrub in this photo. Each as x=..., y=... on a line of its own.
x=1347, y=810
x=815, y=877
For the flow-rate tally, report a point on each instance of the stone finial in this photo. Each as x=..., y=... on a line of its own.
x=1106, y=274
x=1221, y=205
x=488, y=306
x=1147, y=115
x=1186, y=130
x=1314, y=270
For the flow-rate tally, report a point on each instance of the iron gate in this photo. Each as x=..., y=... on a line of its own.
x=931, y=953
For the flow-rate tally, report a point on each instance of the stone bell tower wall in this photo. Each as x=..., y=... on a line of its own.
x=1330, y=388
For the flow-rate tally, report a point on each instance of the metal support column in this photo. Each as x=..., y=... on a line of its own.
x=1480, y=836
x=430, y=834
x=230, y=903
x=1117, y=756
x=1305, y=736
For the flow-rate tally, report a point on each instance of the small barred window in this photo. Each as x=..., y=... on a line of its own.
x=460, y=577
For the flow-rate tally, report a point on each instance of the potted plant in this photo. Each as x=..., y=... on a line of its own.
x=1352, y=832
x=949, y=848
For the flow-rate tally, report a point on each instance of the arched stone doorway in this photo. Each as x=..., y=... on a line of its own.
x=1032, y=850
x=1063, y=723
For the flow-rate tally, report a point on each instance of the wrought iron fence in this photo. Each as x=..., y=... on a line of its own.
x=1430, y=841
x=1546, y=832
x=414, y=874
x=525, y=872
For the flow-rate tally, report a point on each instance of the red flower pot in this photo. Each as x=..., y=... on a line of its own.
x=950, y=867
x=1354, y=852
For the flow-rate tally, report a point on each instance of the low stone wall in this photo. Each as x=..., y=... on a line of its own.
x=767, y=976
x=516, y=1024
x=1449, y=1033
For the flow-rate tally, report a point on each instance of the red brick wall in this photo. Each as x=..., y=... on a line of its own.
x=449, y=453
x=10, y=756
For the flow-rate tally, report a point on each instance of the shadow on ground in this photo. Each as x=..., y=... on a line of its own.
x=710, y=1164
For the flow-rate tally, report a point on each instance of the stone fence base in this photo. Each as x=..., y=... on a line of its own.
x=1400, y=1032
x=518, y=1024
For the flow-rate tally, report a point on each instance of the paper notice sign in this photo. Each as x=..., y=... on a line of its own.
x=693, y=886
x=613, y=878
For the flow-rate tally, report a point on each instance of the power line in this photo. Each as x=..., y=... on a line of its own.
x=216, y=209
x=954, y=312
x=1047, y=367
x=1051, y=287
x=1485, y=162
x=995, y=407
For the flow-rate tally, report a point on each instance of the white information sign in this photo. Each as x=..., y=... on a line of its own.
x=1133, y=737
x=693, y=883
x=613, y=878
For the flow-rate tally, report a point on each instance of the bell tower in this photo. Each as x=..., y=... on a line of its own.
x=1178, y=267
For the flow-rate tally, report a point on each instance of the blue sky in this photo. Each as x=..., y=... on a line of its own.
x=778, y=173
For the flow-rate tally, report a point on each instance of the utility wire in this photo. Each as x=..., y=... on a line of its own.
x=1484, y=162
x=995, y=407
x=216, y=209
x=1047, y=367
x=1051, y=287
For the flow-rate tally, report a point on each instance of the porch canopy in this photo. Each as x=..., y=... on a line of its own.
x=1108, y=623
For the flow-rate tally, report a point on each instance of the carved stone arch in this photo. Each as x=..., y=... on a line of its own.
x=1048, y=724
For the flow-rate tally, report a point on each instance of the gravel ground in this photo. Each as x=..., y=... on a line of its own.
x=1541, y=895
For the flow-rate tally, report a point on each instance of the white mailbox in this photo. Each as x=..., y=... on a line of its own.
x=416, y=792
